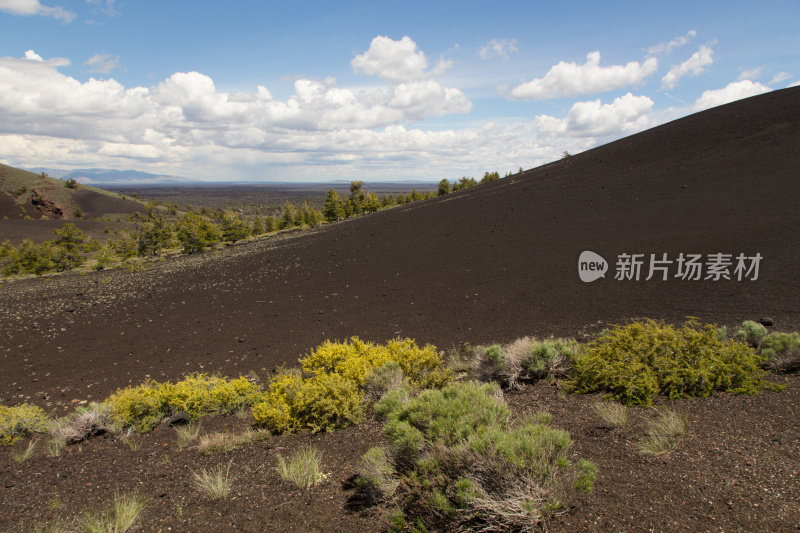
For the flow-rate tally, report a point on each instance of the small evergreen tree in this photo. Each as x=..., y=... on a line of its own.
x=196, y=233
x=258, y=227
x=234, y=229
x=444, y=187
x=334, y=206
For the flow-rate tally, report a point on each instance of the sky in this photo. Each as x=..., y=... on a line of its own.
x=377, y=90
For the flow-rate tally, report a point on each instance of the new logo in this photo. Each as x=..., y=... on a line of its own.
x=591, y=266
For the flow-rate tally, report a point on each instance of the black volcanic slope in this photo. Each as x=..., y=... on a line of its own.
x=491, y=263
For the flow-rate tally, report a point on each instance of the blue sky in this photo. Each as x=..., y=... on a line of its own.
x=373, y=90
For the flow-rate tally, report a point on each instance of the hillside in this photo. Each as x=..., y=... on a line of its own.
x=37, y=196
x=491, y=263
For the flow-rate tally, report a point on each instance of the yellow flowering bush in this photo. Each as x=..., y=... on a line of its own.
x=18, y=421
x=324, y=401
x=198, y=395
x=356, y=359
x=635, y=362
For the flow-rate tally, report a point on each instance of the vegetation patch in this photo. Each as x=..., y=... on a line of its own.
x=20, y=421
x=225, y=442
x=635, y=362
x=524, y=360
x=455, y=462
x=664, y=432
x=303, y=468
x=197, y=395
x=216, y=483
x=330, y=391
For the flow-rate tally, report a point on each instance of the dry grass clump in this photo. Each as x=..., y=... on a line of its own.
x=25, y=454
x=86, y=421
x=187, y=433
x=525, y=359
x=664, y=432
x=225, y=442
x=303, y=468
x=215, y=483
x=120, y=518
x=615, y=415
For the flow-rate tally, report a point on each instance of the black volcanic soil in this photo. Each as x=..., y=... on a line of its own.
x=489, y=264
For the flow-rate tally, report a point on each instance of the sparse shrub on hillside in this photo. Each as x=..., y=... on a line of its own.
x=525, y=359
x=20, y=421
x=635, y=362
x=71, y=183
x=751, y=332
x=325, y=401
x=355, y=359
x=455, y=462
x=86, y=421
x=329, y=392
x=781, y=351
x=385, y=378
x=197, y=395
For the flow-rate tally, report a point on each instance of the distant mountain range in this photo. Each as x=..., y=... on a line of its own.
x=104, y=176
x=107, y=177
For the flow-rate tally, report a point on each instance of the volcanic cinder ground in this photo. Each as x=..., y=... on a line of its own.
x=491, y=263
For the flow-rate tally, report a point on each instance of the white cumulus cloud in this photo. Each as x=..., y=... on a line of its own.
x=395, y=61
x=33, y=7
x=693, y=66
x=570, y=79
x=498, y=48
x=33, y=56
x=626, y=114
x=730, y=93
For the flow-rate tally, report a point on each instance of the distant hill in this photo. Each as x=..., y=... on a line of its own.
x=27, y=195
x=105, y=176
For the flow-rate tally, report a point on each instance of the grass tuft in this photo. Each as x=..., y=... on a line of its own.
x=27, y=453
x=187, y=434
x=225, y=442
x=615, y=415
x=303, y=469
x=120, y=518
x=664, y=432
x=216, y=483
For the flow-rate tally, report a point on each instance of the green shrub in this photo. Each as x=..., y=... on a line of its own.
x=781, y=351
x=525, y=359
x=635, y=362
x=385, y=378
x=20, y=421
x=459, y=464
x=751, y=333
